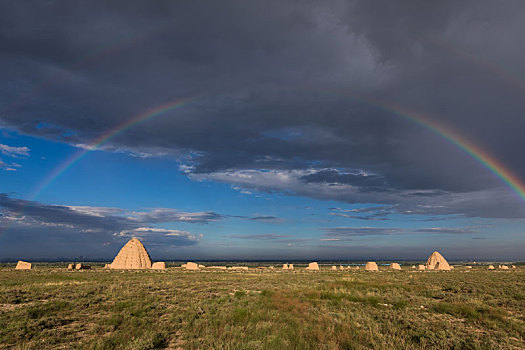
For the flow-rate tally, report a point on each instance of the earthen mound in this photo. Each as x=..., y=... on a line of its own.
x=285, y=266
x=491, y=267
x=23, y=265
x=159, y=265
x=371, y=266
x=132, y=256
x=71, y=266
x=421, y=267
x=437, y=262
x=334, y=268
x=504, y=267
x=290, y=266
x=191, y=266
x=313, y=266
x=81, y=266
x=395, y=266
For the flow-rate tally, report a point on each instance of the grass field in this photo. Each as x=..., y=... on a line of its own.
x=49, y=308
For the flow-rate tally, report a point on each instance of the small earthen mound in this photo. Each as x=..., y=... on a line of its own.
x=504, y=267
x=341, y=267
x=395, y=266
x=218, y=267
x=159, y=265
x=413, y=266
x=421, y=267
x=513, y=266
x=371, y=266
x=71, y=266
x=313, y=266
x=202, y=266
x=491, y=267
x=290, y=266
x=285, y=266
x=191, y=266
x=132, y=256
x=468, y=267
x=437, y=262
x=239, y=268
x=334, y=268
x=23, y=265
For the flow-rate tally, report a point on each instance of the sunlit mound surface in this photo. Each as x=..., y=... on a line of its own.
x=436, y=261
x=132, y=256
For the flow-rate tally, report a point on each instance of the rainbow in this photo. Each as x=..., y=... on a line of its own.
x=104, y=138
x=470, y=148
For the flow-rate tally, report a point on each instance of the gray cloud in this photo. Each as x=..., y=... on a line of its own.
x=379, y=213
x=361, y=231
x=343, y=232
x=267, y=218
x=260, y=237
x=283, y=88
x=493, y=203
x=159, y=215
x=445, y=230
x=98, y=228
x=261, y=218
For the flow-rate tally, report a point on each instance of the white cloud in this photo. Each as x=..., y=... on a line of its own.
x=14, y=152
x=494, y=203
x=159, y=235
x=9, y=167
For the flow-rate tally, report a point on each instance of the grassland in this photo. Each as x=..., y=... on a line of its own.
x=50, y=308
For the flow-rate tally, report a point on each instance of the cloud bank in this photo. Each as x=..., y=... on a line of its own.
x=283, y=93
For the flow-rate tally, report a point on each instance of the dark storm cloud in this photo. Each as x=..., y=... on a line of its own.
x=278, y=86
x=60, y=215
x=111, y=219
x=94, y=226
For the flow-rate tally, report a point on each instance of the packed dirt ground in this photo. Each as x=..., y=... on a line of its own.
x=50, y=307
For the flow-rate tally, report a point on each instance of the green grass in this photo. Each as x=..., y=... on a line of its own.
x=50, y=308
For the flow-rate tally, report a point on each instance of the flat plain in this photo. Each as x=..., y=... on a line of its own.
x=50, y=308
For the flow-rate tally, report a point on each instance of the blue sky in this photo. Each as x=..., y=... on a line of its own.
x=276, y=155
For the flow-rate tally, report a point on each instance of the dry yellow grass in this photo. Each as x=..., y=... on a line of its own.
x=261, y=309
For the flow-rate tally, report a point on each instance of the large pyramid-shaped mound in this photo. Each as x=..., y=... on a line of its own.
x=132, y=256
x=436, y=261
